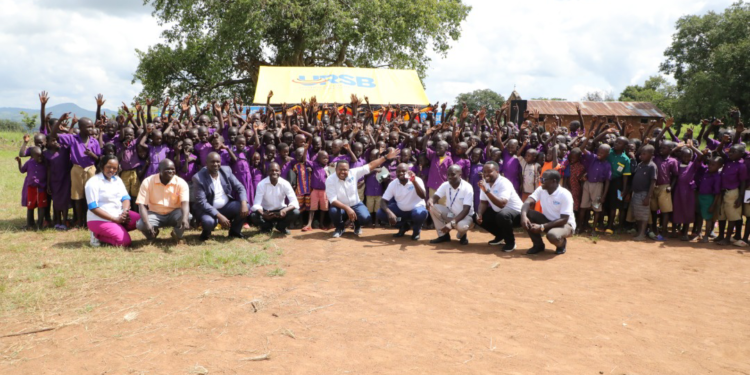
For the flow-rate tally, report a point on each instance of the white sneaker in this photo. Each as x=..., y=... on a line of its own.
x=94, y=241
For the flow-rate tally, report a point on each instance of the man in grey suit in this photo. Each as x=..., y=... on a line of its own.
x=220, y=198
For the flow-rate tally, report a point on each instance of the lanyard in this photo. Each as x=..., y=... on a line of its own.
x=453, y=198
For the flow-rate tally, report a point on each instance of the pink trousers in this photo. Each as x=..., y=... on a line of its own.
x=113, y=233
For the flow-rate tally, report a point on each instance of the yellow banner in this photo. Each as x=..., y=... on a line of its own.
x=337, y=84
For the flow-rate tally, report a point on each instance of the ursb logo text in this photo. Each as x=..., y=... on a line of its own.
x=344, y=79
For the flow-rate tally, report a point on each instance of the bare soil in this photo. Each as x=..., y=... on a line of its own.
x=379, y=305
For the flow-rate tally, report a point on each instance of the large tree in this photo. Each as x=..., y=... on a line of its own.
x=477, y=99
x=710, y=60
x=655, y=90
x=216, y=47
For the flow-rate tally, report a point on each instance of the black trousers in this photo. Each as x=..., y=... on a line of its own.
x=501, y=223
x=280, y=223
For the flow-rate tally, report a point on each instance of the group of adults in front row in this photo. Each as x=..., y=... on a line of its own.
x=217, y=197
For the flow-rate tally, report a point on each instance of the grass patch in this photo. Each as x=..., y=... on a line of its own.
x=39, y=268
x=278, y=271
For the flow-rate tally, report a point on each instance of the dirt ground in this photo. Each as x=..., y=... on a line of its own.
x=378, y=305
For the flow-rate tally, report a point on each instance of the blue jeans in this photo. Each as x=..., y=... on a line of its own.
x=417, y=216
x=232, y=212
x=339, y=216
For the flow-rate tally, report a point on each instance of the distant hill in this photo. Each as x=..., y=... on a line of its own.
x=11, y=113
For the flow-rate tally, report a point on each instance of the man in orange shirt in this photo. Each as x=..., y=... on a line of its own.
x=163, y=201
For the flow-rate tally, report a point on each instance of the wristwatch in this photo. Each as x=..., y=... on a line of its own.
x=452, y=223
x=542, y=227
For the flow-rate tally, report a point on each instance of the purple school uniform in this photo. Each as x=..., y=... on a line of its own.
x=373, y=188
x=286, y=167
x=340, y=158
x=422, y=173
x=113, y=139
x=318, y=175
x=202, y=149
x=78, y=148
x=241, y=170
x=684, y=193
x=475, y=176
x=733, y=173
x=256, y=176
x=597, y=170
x=667, y=168
x=708, y=183
x=512, y=169
x=130, y=159
x=465, y=165
x=438, y=170
x=59, y=178
x=36, y=175
x=155, y=155
x=192, y=168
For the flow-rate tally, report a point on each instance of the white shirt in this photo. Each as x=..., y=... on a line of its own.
x=456, y=199
x=406, y=194
x=220, y=197
x=503, y=189
x=105, y=194
x=345, y=191
x=558, y=203
x=271, y=198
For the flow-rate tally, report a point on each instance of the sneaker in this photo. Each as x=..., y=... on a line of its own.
x=402, y=231
x=441, y=239
x=337, y=233
x=94, y=241
x=358, y=232
x=561, y=250
x=496, y=241
x=509, y=247
x=415, y=237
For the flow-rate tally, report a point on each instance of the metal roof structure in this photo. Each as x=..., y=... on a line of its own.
x=620, y=109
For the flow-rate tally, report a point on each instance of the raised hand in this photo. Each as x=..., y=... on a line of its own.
x=43, y=97
x=100, y=100
x=149, y=102
x=270, y=95
x=669, y=123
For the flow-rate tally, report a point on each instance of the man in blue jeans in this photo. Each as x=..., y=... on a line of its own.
x=404, y=199
x=341, y=190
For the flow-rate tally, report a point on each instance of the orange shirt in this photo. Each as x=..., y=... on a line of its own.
x=163, y=199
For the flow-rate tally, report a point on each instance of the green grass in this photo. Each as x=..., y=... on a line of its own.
x=40, y=269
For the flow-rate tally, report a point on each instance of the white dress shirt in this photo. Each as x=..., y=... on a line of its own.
x=271, y=197
x=105, y=194
x=406, y=195
x=558, y=203
x=345, y=191
x=456, y=199
x=503, y=189
x=220, y=197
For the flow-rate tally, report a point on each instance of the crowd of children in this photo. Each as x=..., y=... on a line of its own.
x=633, y=177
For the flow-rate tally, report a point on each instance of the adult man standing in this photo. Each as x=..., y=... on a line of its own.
x=498, y=192
x=557, y=219
x=219, y=198
x=341, y=190
x=458, y=211
x=269, y=209
x=163, y=201
x=404, y=199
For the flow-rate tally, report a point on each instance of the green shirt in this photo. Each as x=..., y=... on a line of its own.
x=620, y=164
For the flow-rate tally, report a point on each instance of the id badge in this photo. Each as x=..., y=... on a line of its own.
x=450, y=215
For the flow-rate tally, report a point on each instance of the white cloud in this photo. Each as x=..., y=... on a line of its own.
x=78, y=48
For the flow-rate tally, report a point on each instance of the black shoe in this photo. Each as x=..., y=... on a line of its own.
x=496, y=241
x=402, y=231
x=415, y=237
x=204, y=237
x=441, y=239
x=561, y=250
x=534, y=250
x=464, y=240
x=508, y=247
x=235, y=235
x=284, y=231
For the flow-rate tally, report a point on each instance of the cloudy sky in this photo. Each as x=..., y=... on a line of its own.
x=545, y=48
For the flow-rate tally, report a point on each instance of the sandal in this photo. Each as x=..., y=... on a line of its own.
x=740, y=243
x=306, y=228
x=609, y=231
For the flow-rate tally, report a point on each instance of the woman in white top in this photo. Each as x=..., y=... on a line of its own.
x=109, y=217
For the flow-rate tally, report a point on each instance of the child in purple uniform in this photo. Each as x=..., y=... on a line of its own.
x=709, y=191
x=58, y=182
x=684, y=192
x=373, y=187
x=318, y=199
x=36, y=190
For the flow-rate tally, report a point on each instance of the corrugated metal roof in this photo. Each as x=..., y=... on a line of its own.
x=621, y=109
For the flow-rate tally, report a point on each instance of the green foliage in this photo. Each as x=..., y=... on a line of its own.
x=710, y=60
x=29, y=121
x=10, y=126
x=656, y=90
x=216, y=47
x=476, y=99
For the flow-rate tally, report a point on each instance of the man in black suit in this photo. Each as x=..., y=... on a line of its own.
x=220, y=198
